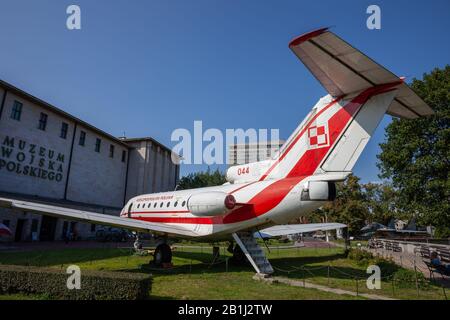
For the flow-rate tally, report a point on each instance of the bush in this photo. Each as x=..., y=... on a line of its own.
x=407, y=279
x=94, y=284
x=361, y=257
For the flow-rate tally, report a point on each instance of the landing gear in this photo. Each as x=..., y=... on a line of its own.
x=137, y=244
x=239, y=258
x=163, y=255
x=216, y=254
x=230, y=248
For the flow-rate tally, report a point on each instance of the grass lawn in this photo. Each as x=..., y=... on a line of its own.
x=194, y=278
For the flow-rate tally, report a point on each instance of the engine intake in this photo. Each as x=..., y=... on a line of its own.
x=211, y=203
x=319, y=191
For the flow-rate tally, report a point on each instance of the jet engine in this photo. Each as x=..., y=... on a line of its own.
x=211, y=203
x=319, y=191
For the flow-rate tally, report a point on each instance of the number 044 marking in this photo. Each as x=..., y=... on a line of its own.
x=245, y=170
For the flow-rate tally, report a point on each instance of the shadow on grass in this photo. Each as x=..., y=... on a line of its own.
x=202, y=263
x=303, y=268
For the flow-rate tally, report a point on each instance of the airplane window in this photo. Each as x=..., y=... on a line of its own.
x=154, y=206
x=149, y=204
x=161, y=204
x=175, y=204
x=168, y=204
x=138, y=205
x=184, y=202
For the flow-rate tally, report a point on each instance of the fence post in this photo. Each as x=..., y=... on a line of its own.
x=357, y=288
x=393, y=286
x=415, y=274
x=328, y=275
x=303, y=276
x=226, y=264
x=445, y=294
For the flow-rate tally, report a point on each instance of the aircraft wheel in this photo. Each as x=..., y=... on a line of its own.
x=239, y=257
x=163, y=254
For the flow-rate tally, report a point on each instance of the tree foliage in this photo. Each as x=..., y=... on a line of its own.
x=348, y=207
x=359, y=204
x=201, y=179
x=415, y=155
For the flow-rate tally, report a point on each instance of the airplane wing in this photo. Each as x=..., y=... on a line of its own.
x=344, y=70
x=283, y=230
x=96, y=218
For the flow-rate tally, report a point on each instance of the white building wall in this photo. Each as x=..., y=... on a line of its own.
x=105, y=187
x=37, y=162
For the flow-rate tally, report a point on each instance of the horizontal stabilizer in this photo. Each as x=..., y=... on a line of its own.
x=344, y=70
x=283, y=230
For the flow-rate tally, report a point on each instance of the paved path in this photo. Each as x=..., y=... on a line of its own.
x=409, y=261
x=306, y=284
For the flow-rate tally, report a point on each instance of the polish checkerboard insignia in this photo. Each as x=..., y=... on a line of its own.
x=318, y=136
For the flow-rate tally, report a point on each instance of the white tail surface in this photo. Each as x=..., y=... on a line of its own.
x=352, y=142
x=333, y=135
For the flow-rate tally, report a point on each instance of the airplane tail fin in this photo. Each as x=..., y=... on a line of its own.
x=335, y=132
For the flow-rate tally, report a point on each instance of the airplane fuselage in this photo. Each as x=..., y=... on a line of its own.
x=259, y=203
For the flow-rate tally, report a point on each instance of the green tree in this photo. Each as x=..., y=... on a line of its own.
x=201, y=179
x=415, y=155
x=349, y=207
x=380, y=199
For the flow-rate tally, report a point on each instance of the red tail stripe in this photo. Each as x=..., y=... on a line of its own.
x=291, y=145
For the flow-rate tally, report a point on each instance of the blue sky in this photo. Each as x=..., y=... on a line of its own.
x=148, y=67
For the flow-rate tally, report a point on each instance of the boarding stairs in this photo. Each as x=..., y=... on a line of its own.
x=253, y=251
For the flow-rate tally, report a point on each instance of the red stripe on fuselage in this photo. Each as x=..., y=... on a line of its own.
x=190, y=220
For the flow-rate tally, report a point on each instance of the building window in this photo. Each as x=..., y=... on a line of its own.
x=43, y=121
x=82, y=138
x=124, y=155
x=16, y=111
x=93, y=227
x=97, y=145
x=111, y=151
x=64, y=128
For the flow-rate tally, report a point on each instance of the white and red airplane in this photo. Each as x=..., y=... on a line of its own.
x=260, y=198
